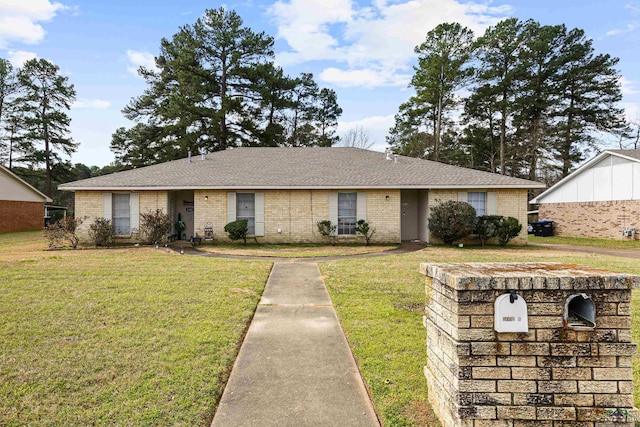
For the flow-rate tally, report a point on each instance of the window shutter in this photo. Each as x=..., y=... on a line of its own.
x=231, y=207
x=134, y=211
x=333, y=209
x=361, y=209
x=463, y=196
x=259, y=214
x=106, y=206
x=492, y=203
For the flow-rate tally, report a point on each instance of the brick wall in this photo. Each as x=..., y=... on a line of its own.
x=552, y=375
x=593, y=219
x=88, y=205
x=510, y=202
x=21, y=216
x=296, y=212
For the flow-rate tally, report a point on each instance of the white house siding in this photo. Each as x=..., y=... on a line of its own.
x=612, y=178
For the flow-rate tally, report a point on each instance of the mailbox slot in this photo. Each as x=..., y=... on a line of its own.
x=510, y=313
x=579, y=313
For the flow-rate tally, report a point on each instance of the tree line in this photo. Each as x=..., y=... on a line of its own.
x=523, y=99
x=215, y=86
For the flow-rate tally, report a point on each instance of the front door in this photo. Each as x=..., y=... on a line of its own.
x=184, y=207
x=409, y=214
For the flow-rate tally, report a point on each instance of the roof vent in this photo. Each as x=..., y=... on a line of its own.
x=387, y=151
x=395, y=158
x=203, y=153
x=189, y=156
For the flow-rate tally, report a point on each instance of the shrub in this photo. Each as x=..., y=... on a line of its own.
x=327, y=230
x=154, y=226
x=363, y=228
x=101, y=232
x=63, y=230
x=508, y=228
x=237, y=230
x=452, y=221
x=486, y=227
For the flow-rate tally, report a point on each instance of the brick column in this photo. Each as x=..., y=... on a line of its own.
x=557, y=373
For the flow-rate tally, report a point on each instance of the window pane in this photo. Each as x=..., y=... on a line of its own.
x=121, y=215
x=478, y=201
x=347, y=207
x=245, y=209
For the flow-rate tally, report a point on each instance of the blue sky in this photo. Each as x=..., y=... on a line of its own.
x=362, y=49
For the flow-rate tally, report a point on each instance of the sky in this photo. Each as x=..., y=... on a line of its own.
x=361, y=49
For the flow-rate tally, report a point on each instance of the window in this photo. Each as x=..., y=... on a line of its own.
x=246, y=209
x=479, y=202
x=347, y=207
x=121, y=214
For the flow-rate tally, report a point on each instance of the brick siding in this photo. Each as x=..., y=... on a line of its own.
x=21, y=216
x=593, y=219
x=510, y=202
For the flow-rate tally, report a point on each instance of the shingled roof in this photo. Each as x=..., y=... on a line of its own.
x=298, y=168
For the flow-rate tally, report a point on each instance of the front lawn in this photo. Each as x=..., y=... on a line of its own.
x=132, y=336
x=380, y=302
x=292, y=250
x=585, y=241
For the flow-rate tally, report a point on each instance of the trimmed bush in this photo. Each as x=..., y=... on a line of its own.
x=237, y=230
x=452, y=221
x=154, y=226
x=363, y=228
x=508, y=228
x=101, y=232
x=487, y=226
x=327, y=230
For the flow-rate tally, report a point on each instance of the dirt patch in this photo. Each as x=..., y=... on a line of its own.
x=420, y=414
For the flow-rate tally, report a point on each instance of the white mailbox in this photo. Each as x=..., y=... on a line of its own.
x=510, y=313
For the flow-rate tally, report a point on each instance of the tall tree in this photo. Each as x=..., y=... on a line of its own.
x=588, y=96
x=215, y=87
x=326, y=116
x=499, y=74
x=443, y=68
x=8, y=89
x=45, y=98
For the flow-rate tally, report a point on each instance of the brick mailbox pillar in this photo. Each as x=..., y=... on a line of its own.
x=562, y=356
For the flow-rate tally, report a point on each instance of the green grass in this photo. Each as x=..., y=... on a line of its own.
x=292, y=250
x=584, y=241
x=122, y=337
x=380, y=302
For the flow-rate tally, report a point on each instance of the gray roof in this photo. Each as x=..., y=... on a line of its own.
x=301, y=168
x=628, y=153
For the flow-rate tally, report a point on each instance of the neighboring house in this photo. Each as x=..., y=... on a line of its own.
x=284, y=192
x=599, y=199
x=21, y=205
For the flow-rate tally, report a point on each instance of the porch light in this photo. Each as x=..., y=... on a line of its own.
x=387, y=197
x=206, y=197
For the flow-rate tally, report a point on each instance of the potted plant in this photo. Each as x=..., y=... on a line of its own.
x=180, y=226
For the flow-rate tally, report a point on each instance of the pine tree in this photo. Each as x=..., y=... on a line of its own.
x=46, y=96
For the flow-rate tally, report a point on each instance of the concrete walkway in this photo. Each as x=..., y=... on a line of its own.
x=295, y=367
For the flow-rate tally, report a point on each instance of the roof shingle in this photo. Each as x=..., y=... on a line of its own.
x=278, y=167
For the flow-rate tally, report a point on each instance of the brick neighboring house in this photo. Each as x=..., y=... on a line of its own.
x=21, y=205
x=284, y=192
x=599, y=199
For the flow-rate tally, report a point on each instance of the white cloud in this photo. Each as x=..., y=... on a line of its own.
x=91, y=104
x=19, y=57
x=139, y=59
x=628, y=29
x=628, y=87
x=377, y=127
x=20, y=20
x=380, y=37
